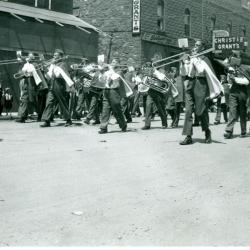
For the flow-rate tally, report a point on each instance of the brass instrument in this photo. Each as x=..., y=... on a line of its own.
x=165, y=61
x=149, y=72
x=10, y=61
x=39, y=66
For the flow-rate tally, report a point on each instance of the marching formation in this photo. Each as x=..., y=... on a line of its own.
x=97, y=91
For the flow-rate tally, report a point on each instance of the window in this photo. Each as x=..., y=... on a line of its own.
x=243, y=30
x=44, y=4
x=229, y=27
x=160, y=15
x=187, y=21
x=212, y=22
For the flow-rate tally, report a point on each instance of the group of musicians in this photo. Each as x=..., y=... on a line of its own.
x=100, y=90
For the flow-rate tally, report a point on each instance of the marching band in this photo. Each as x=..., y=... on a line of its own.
x=99, y=90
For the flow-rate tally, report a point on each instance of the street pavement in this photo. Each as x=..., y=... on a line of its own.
x=73, y=187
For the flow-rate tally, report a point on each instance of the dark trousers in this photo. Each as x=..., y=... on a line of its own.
x=136, y=104
x=237, y=105
x=190, y=107
x=156, y=98
x=23, y=110
x=221, y=107
x=172, y=114
x=41, y=102
x=178, y=107
x=94, y=111
x=126, y=107
x=112, y=102
x=58, y=95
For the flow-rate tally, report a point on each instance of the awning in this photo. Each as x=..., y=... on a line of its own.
x=39, y=14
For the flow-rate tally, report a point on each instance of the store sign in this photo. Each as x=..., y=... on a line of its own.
x=154, y=38
x=136, y=25
x=229, y=43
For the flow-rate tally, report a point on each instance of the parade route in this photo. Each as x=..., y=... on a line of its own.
x=73, y=187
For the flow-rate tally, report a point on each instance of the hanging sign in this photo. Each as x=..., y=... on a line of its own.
x=136, y=23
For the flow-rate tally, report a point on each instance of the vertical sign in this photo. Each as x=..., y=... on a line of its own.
x=136, y=29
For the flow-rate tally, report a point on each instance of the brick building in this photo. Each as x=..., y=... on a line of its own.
x=41, y=26
x=162, y=22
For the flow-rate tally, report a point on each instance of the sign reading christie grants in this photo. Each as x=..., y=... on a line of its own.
x=136, y=29
x=229, y=43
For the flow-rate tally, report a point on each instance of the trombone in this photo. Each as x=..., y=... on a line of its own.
x=10, y=61
x=39, y=66
x=165, y=61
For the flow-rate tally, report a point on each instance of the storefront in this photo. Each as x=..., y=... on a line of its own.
x=24, y=28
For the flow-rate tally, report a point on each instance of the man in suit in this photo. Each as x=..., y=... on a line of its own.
x=239, y=77
x=154, y=77
x=113, y=93
x=197, y=94
x=60, y=83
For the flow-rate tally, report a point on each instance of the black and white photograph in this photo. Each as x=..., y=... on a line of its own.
x=124, y=123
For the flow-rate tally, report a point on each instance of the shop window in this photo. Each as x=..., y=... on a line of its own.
x=187, y=23
x=24, y=2
x=160, y=15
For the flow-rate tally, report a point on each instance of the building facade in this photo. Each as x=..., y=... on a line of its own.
x=141, y=29
x=40, y=26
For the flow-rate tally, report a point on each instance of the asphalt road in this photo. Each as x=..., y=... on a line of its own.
x=73, y=187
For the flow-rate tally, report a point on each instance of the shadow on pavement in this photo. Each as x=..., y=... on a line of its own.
x=198, y=140
x=119, y=131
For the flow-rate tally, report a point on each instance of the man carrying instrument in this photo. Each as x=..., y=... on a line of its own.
x=197, y=92
x=239, y=77
x=32, y=86
x=60, y=83
x=97, y=85
x=113, y=92
x=156, y=82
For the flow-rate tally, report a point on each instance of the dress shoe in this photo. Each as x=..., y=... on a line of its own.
x=208, y=138
x=129, y=120
x=243, y=135
x=86, y=121
x=187, y=141
x=96, y=122
x=103, y=131
x=228, y=135
x=45, y=125
x=164, y=126
x=20, y=120
x=145, y=128
x=196, y=125
x=124, y=129
x=68, y=123
x=216, y=122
